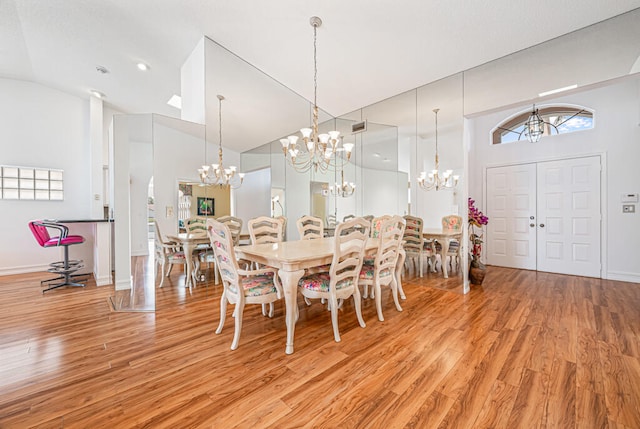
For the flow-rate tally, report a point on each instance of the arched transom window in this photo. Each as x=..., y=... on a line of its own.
x=557, y=120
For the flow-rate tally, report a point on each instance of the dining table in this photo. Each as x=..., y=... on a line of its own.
x=444, y=237
x=292, y=259
x=190, y=242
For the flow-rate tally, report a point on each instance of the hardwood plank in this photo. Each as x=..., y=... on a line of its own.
x=525, y=349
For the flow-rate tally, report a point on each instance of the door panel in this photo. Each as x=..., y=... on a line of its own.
x=511, y=202
x=569, y=216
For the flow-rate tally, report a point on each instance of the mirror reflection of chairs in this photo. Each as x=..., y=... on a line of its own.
x=67, y=267
x=451, y=223
x=167, y=253
x=310, y=227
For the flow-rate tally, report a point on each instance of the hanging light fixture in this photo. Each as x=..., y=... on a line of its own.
x=437, y=180
x=318, y=150
x=346, y=189
x=217, y=174
x=534, y=126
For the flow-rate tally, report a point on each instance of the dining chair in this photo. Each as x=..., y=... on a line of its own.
x=310, y=227
x=413, y=241
x=383, y=270
x=284, y=226
x=341, y=282
x=235, y=226
x=348, y=217
x=168, y=252
x=195, y=224
x=451, y=223
x=264, y=229
x=240, y=287
x=331, y=221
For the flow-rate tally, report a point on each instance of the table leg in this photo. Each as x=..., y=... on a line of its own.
x=188, y=256
x=443, y=257
x=290, y=287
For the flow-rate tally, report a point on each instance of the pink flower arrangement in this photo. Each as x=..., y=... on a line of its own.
x=476, y=220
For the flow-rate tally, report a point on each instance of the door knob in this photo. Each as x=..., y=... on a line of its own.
x=542, y=225
x=532, y=225
x=532, y=217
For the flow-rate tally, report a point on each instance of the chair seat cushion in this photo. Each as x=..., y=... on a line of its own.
x=367, y=271
x=369, y=261
x=69, y=239
x=256, y=285
x=320, y=282
x=176, y=256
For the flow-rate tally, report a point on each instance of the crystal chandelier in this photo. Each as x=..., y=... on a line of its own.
x=534, y=126
x=318, y=151
x=217, y=174
x=437, y=180
x=346, y=189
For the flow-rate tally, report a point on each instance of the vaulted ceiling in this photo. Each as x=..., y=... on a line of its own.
x=367, y=50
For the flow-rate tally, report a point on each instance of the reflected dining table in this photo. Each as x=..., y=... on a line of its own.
x=443, y=237
x=190, y=242
x=292, y=258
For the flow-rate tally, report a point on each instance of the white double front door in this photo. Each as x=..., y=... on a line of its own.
x=545, y=216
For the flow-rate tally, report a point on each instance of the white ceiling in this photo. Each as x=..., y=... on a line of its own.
x=367, y=50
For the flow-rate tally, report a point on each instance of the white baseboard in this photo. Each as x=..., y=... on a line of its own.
x=24, y=269
x=103, y=281
x=623, y=277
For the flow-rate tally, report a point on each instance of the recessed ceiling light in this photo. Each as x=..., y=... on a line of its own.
x=143, y=66
x=555, y=91
x=175, y=101
x=376, y=154
x=96, y=93
x=102, y=69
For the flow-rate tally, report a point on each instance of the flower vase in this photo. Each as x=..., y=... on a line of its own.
x=477, y=271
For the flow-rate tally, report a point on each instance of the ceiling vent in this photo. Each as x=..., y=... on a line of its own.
x=359, y=127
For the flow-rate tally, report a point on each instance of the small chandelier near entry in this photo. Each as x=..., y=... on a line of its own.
x=534, y=126
x=319, y=150
x=437, y=180
x=218, y=174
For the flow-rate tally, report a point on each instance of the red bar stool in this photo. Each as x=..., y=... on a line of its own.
x=67, y=267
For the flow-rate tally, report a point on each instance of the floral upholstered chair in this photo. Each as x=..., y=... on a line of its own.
x=240, y=287
x=383, y=270
x=209, y=257
x=413, y=241
x=341, y=282
x=451, y=223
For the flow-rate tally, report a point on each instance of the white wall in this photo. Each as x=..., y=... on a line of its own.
x=616, y=135
x=41, y=127
x=253, y=199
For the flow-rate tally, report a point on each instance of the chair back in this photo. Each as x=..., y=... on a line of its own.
x=284, y=226
x=195, y=225
x=348, y=252
x=348, y=217
x=452, y=223
x=413, y=239
x=376, y=225
x=264, y=229
x=235, y=226
x=222, y=243
x=331, y=221
x=391, y=235
x=310, y=227
x=39, y=231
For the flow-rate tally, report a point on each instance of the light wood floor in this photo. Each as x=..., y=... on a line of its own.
x=525, y=350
